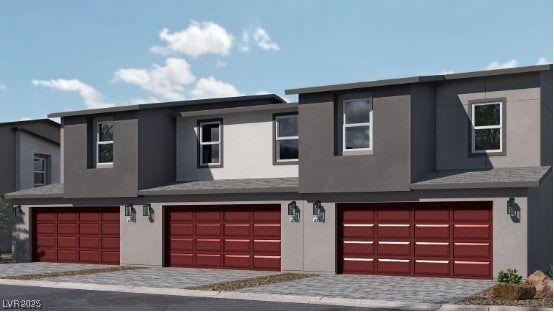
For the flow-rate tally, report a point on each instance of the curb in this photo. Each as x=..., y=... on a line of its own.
x=359, y=303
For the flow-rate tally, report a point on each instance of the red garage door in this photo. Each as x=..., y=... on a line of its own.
x=67, y=234
x=446, y=239
x=234, y=237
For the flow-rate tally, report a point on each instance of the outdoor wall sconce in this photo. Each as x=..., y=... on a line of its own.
x=318, y=212
x=16, y=210
x=294, y=212
x=511, y=209
x=147, y=210
x=130, y=212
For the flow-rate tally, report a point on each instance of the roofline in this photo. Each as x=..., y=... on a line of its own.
x=420, y=79
x=274, y=97
x=473, y=185
x=33, y=196
x=24, y=122
x=284, y=189
x=19, y=128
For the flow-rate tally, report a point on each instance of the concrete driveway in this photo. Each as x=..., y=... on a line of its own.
x=359, y=287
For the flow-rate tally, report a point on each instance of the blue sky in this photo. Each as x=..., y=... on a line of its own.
x=71, y=55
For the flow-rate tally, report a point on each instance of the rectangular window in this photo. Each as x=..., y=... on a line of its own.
x=210, y=143
x=357, y=124
x=286, y=138
x=487, y=127
x=104, y=142
x=40, y=170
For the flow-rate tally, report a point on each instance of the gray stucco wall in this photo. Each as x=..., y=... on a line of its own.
x=546, y=118
x=386, y=169
x=157, y=148
x=142, y=241
x=422, y=130
x=522, y=93
x=540, y=231
x=121, y=180
x=7, y=159
x=27, y=147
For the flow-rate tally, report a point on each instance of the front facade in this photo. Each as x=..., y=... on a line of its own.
x=446, y=176
x=30, y=158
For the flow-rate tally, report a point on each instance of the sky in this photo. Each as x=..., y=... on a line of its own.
x=60, y=56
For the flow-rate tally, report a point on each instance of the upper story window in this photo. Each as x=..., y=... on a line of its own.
x=357, y=125
x=286, y=138
x=210, y=150
x=104, y=143
x=487, y=127
x=40, y=170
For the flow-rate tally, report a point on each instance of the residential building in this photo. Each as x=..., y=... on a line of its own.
x=30, y=158
x=445, y=175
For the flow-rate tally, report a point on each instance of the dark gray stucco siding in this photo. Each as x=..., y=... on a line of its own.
x=539, y=232
x=386, y=169
x=45, y=129
x=423, y=130
x=7, y=159
x=157, y=148
x=546, y=118
x=119, y=181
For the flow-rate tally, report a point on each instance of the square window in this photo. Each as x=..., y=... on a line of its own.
x=486, y=127
x=286, y=138
x=356, y=137
x=210, y=136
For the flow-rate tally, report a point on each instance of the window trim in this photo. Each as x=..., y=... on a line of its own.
x=97, y=142
x=44, y=158
x=345, y=125
x=199, y=144
x=471, y=135
x=276, y=138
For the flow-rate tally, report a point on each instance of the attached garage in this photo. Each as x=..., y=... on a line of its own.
x=225, y=236
x=80, y=235
x=442, y=239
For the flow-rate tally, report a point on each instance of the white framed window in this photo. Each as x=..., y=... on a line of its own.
x=286, y=138
x=487, y=132
x=357, y=124
x=104, y=143
x=40, y=170
x=210, y=143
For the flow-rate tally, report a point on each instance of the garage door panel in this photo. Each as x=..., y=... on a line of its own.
x=267, y=230
x=208, y=216
x=358, y=216
x=432, y=231
x=208, y=245
x=472, y=268
x=181, y=216
x=358, y=248
x=267, y=262
x=266, y=216
x=392, y=231
x=70, y=234
x=358, y=231
x=473, y=232
x=181, y=229
x=431, y=215
x=394, y=266
x=238, y=261
x=237, y=245
x=267, y=246
x=360, y=265
x=472, y=250
x=67, y=242
x=236, y=216
x=237, y=230
x=394, y=215
x=472, y=215
x=432, y=268
x=208, y=230
x=181, y=259
x=208, y=260
x=432, y=249
x=400, y=249
x=46, y=229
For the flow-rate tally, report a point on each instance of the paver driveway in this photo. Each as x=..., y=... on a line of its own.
x=388, y=288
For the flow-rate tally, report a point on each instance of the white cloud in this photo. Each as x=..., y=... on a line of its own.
x=263, y=40
x=142, y=101
x=243, y=45
x=212, y=88
x=496, y=65
x=197, y=39
x=542, y=61
x=168, y=81
x=93, y=98
x=220, y=64
x=3, y=87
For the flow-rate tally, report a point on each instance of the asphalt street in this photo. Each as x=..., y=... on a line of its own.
x=72, y=299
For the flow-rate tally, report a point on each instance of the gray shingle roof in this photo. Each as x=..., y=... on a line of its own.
x=47, y=191
x=484, y=178
x=273, y=185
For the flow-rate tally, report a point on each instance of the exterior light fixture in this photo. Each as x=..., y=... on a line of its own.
x=294, y=212
x=146, y=210
x=128, y=210
x=16, y=210
x=511, y=208
x=318, y=212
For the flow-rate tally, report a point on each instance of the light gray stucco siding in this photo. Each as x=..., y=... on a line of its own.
x=28, y=147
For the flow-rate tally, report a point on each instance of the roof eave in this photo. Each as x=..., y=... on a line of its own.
x=218, y=191
x=476, y=185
